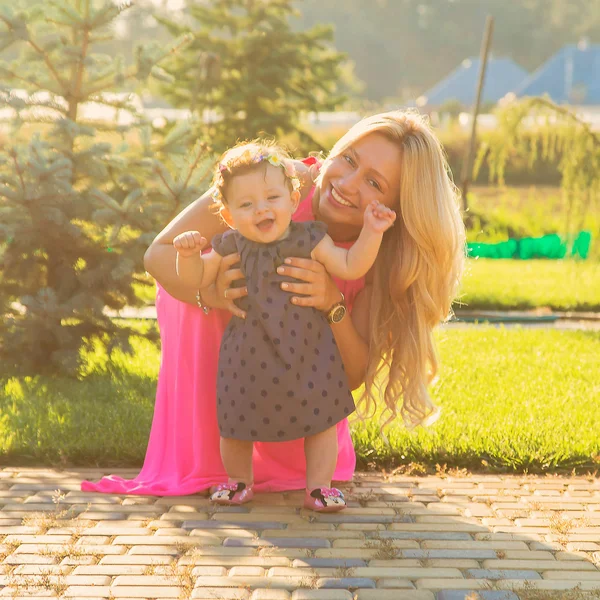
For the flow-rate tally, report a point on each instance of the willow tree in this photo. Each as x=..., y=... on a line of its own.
x=539, y=130
x=81, y=195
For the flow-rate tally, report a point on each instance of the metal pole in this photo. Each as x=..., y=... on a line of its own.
x=468, y=164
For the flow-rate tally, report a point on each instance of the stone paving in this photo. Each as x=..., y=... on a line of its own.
x=450, y=537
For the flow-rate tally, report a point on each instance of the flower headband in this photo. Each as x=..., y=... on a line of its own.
x=273, y=158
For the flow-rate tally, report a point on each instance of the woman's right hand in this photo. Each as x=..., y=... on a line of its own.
x=314, y=288
x=221, y=294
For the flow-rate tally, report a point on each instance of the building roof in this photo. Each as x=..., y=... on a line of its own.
x=502, y=76
x=571, y=76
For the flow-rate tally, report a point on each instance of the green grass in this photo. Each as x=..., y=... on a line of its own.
x=512, y=399
x=563, y=285
x=104, y=419
x=517, y=399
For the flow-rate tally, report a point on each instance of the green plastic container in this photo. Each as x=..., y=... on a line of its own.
x=551, y=246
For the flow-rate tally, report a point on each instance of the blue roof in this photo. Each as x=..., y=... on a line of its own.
x=571, y=76
x=502, y=76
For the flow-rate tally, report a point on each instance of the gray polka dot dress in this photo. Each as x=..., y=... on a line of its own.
x=280, y=374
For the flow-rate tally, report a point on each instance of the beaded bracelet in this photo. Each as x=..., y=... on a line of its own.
x=205, y=309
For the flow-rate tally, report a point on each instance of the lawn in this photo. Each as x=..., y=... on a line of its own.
x=512, y=400
x=562, y=285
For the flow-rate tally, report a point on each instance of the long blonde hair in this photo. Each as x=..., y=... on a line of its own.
x=417, y=270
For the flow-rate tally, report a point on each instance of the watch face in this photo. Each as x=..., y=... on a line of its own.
x=338, y=313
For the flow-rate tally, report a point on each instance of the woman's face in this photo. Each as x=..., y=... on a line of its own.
x=367, y=170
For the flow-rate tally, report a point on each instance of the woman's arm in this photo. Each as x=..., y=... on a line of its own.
x=159, y=259
x=307, y=175
x=351, y=336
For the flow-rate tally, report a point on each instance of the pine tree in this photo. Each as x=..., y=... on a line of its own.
x=253, y=71
x=80, y=199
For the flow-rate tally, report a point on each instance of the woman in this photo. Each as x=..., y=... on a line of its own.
x=393, y=158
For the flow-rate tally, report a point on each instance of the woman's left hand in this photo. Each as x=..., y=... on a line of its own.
x=314, y=288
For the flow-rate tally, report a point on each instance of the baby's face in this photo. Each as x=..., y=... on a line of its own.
x=261, y=204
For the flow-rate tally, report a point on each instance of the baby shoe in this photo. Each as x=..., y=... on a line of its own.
x=324, y=499
x=232, y=493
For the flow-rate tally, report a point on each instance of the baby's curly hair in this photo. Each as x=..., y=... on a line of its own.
x=247, y=156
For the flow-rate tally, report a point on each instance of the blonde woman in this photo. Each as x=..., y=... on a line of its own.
x=382, y=324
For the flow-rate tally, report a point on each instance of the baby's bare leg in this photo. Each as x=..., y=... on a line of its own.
x=321, y=458
x=237, y=459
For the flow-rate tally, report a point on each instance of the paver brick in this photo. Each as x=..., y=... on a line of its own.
x=389, y=594
x=208, y=539
x=394, y=583
x=99, y=550
x=321, y=595
x=472, y=545
x=361, y=526
x=30, y=559
x=342, y=518
x=124, y=592
x=307, y=533
x=136, y=559
x=346, y=583
x=253, y=525
x=145, y=580
x=526, y=555
x=498, y=574
x=223, y=533
x=539, y=565
x=449, y=527
x=573, y=555
x=364, y=554
x=334, y=563
x=478, y=594
x=37, y=539
x=406, y=573
x=291, y=542
x=425, y=535
x=462, y=553
x=237, y=561
x=41, y=570
x=220, y=593
x=568, y=575
x=436, y=563
x=545, y=584
x=245, y=572
x=452, y=584
x=266, y=594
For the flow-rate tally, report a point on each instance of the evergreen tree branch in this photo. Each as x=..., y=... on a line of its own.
x=165, y=183
x=7, y=73
x=133, y=71
x=48, y=63
x=18, y=170
x=79, y=70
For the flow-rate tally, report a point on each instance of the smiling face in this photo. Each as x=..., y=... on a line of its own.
x=369, y=169
x=260, y=203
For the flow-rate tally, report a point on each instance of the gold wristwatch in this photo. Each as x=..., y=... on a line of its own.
x=337, y=312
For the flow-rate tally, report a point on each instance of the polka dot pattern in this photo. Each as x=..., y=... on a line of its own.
x=280, y=375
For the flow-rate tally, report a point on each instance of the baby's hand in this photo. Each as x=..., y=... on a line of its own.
x=189, y=243
x=378, y=217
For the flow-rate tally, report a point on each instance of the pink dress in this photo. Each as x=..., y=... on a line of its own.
x=183, y=450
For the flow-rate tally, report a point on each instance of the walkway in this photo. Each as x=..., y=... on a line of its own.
x=540, y=319
x=450, y=537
